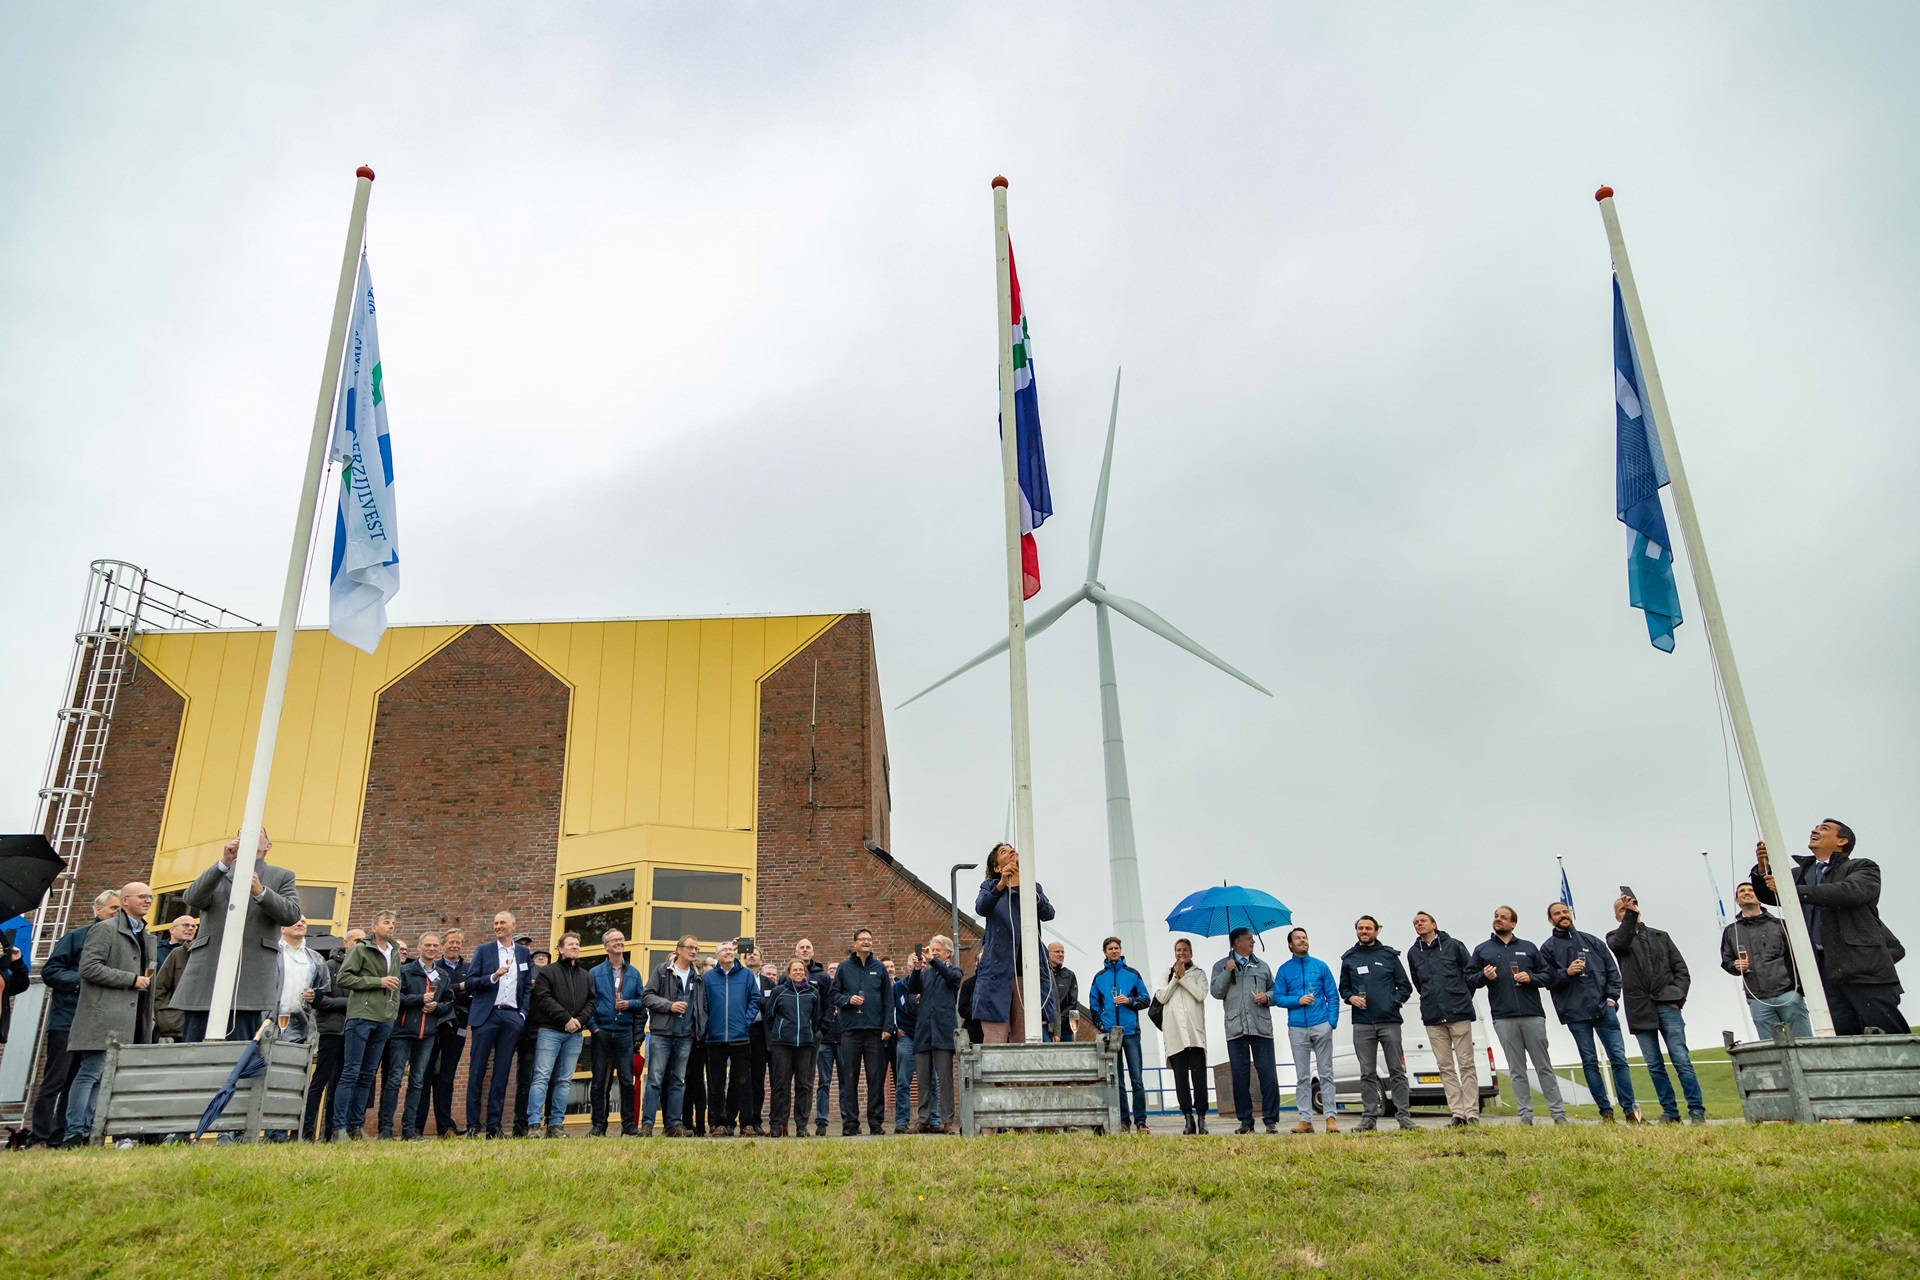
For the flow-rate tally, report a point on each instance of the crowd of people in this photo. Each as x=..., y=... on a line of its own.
x=732, y=1042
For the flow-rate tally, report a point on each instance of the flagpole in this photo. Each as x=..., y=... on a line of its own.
x=227, y=969
x=1721, y=645
x=1029, y=922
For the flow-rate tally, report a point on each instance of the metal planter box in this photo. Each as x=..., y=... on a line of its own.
x=1828, y=1078
x=164, y=1088
x=1039, y=1086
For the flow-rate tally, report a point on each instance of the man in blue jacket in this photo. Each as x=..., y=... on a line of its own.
x=617, y=988
x=1304, y=987
x=733, y=1002
x=500, y=976
x=1115, y=998
x=1585, y=981
x=1513, y=971
x=1375, y=985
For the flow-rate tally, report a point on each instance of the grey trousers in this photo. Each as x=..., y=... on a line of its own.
x=1312, y=1055
x=1521, y=1039
x=1368, y=1039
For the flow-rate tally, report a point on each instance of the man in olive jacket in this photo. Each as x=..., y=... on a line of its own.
x=370, y=975
x=116, y=972
x=274, y=903
x=1855, y=952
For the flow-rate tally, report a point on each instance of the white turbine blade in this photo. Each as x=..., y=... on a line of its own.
x=1153, y=622
x=1100, y=498
x=1035, y=625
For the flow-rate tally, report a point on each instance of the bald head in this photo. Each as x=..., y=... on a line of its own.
x=136, y=899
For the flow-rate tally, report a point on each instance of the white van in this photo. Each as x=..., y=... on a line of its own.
x=1423, y=1069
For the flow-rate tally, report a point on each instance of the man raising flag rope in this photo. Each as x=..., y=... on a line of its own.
x=1036, y=499
x=366, y=550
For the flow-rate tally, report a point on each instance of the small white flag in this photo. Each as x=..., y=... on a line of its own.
x=366, y=541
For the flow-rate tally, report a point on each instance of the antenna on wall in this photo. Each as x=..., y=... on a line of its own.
x=813, y=754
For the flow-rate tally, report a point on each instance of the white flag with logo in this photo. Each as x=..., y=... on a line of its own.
x=366, y=541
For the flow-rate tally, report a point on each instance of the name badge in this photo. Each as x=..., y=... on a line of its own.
x=1361, y=969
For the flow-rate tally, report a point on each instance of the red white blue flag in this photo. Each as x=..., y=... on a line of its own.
x=1036, y=499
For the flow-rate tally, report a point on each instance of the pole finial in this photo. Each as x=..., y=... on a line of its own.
x=1604, y=193
x=999, y=181
x=364, y=172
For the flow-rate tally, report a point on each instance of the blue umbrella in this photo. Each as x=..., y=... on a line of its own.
x=251, y=1064
x=1217, y=911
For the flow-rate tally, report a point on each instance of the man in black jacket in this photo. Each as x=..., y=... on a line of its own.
x=449, y=1034
x=1654, y=983
x=1440, y=965
x=863, y=994
x=1755, y=949
x=821, y=976
x=1585, y=983
x=1066, y=993
x=1375, y=985
x=1513, y=973
x=676, y=1003
x=1856, y=953
x=562, y=1008
x=330, y=1012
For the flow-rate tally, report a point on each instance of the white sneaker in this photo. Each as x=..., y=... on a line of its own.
x=125, y=1144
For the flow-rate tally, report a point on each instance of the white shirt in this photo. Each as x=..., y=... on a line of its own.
x=296, y=975
x=508, y=994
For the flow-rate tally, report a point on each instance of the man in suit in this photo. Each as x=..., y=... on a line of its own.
x=500, y=977
x=274, y=904
x=116, y=970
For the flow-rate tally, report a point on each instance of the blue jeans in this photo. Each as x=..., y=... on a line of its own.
x=1607, y=1028
x=666, y=1078
x=829, y=1054
x=1247, y=1054
x=902, y=1081
x=403, y=1077
x=364, y=1045
x=1130, y=1067
x=494, y=1040
x=83, y=1091
x=555, y=1054
x=1674, y=1029
x=1789, y=1010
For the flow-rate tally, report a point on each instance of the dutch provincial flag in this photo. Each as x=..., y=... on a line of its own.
x=366, y=541
x=1036, y=499
x=1640, y=471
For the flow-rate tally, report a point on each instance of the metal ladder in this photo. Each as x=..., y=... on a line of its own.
x=121, y=603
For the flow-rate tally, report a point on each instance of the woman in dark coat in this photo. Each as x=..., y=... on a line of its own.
x=996, y=990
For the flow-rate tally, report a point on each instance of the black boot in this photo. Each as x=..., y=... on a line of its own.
x=1187, y=1127
x=1200, y=1123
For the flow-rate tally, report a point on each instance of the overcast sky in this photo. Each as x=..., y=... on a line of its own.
x=690, y=311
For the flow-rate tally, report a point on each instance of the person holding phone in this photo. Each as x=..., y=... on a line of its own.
x=935, y=984
x=1585, y=982
x=1654, y=982
x=1754, y=949
x=1511, y=970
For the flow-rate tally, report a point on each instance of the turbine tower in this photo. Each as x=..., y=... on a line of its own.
x=1123, y=862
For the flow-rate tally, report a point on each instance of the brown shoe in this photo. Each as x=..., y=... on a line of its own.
x=950, y=1129
x=1305, y=1126
x=1333, y=1126
x=1606, y=1117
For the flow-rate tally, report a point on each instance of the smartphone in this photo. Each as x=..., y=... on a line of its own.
x=1625, y=892
x=918, y=952
x=743, y=944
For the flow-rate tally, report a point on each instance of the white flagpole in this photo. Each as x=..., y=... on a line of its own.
x=1721, y=645
x=1720, y=910
x=1029, y=922
x=227, y=970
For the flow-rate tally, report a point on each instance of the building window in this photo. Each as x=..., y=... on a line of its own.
x=594, y=906
x=704, y=923
x=715, y=887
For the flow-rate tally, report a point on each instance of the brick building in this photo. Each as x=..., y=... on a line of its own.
x=714, y=776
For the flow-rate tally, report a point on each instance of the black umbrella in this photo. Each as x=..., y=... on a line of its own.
x=28, y=865
x=252, y=1062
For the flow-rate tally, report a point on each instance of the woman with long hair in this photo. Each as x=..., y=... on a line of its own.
x=997, y=1001
x=1183, y=1025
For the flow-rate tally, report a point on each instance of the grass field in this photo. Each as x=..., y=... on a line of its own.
x=1733, y=1200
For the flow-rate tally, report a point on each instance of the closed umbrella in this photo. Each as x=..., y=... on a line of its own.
x=28, y=865
x=252, y=1062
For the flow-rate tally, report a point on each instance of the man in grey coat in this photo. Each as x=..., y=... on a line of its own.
x=116, y=970
x=274, y=905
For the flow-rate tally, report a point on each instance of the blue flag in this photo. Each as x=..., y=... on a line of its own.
x=1566, y=890
x=1640, y=470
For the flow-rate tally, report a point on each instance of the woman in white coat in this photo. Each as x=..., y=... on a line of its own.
x=1183, y=1025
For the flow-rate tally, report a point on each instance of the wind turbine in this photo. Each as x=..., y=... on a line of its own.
x=1123, y=863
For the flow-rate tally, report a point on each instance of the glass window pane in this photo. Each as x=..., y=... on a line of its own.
x=599, y=891
x=708, y=926
x=697, y=886
x=168, y=907
x=592, y=927
x=316, y=901
x=655, y=959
